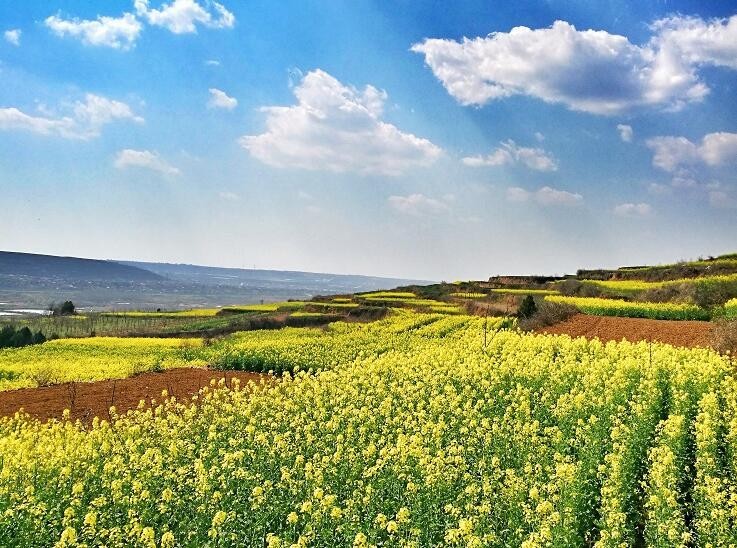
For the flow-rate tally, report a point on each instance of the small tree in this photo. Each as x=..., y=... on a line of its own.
x=6, y=335
x=527, y=308
x=22, y=337
x=66, y=309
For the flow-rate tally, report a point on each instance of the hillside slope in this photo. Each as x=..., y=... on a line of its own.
x=31, y=265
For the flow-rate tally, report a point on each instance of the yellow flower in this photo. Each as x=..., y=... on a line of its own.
x=167, y=540
x=219, y=518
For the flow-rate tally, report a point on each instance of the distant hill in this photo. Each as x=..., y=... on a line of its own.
x=314, y=282
x=31, y=265
x=29, y=280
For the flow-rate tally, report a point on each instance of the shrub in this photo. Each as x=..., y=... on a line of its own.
x=724, y=337
x=527, y=308
x=10, y=337
x=576, y=288
x=548, y=313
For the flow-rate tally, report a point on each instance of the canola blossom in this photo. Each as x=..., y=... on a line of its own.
x=633, y=309
x=630, y=286
x=730, y=309
x=412, y=431
x=93, y=359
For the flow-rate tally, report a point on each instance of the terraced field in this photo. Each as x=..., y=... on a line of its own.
x=417, y=430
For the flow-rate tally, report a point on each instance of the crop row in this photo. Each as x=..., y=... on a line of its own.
x=633, y=309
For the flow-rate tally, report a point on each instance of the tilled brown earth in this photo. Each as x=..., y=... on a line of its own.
x=85, y=400
x=607, y=328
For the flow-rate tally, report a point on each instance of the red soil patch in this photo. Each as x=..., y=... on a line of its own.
x=608, y=328
x=86, y=400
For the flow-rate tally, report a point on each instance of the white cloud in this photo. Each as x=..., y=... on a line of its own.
x=697, y=41
x=82, y=119
x=417, y=205
x=182, y=16
x=229, y=196
x=673, y=153
x=338, y=128
x=633, y=210
x=590, y=71
x=625, y=132
x=509, y=153
x=545, y=196
x=12, y=36
x=118, y=33
x=539, y=136
x=212, y=63
x=144, y=159
x=220, y=99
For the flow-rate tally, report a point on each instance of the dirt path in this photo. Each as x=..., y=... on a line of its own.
x=606, y=328
x=89, y=399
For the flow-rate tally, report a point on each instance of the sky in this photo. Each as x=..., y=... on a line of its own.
x=427, y=140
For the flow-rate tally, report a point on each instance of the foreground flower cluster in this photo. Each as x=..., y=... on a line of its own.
x=414, y=431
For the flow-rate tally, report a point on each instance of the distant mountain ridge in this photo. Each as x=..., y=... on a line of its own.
x=72, y=268
x=239, y=277
x=29, y=280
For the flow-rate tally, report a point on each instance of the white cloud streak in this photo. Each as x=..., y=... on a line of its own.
x=510, y=153
x=417, y=205
x=144, y=159
x=674, y=153
x=338, y=128
x=633, y=210
x=121, y=33
x=183, y=16
x=113, y=32
x=220, y=99
x=82, y=120
x=545, y=196
x=590, y=71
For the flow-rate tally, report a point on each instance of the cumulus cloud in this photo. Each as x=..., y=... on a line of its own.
x=336, y=127
x=590, y=71
x=179, y=17
x=510, y=153
x=633, y=210
x=417, y=205
x=220, y=99
x=545, y=196
x=12, y=36
x=81, y=120
x=144, y=159
x=183, y=16
x=625, y=132
x=673, y=154
x=113, y=32
x=697, y=41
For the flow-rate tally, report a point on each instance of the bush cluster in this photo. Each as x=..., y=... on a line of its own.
x=12, y=337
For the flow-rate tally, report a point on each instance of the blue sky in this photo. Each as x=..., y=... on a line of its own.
x=390, y=138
